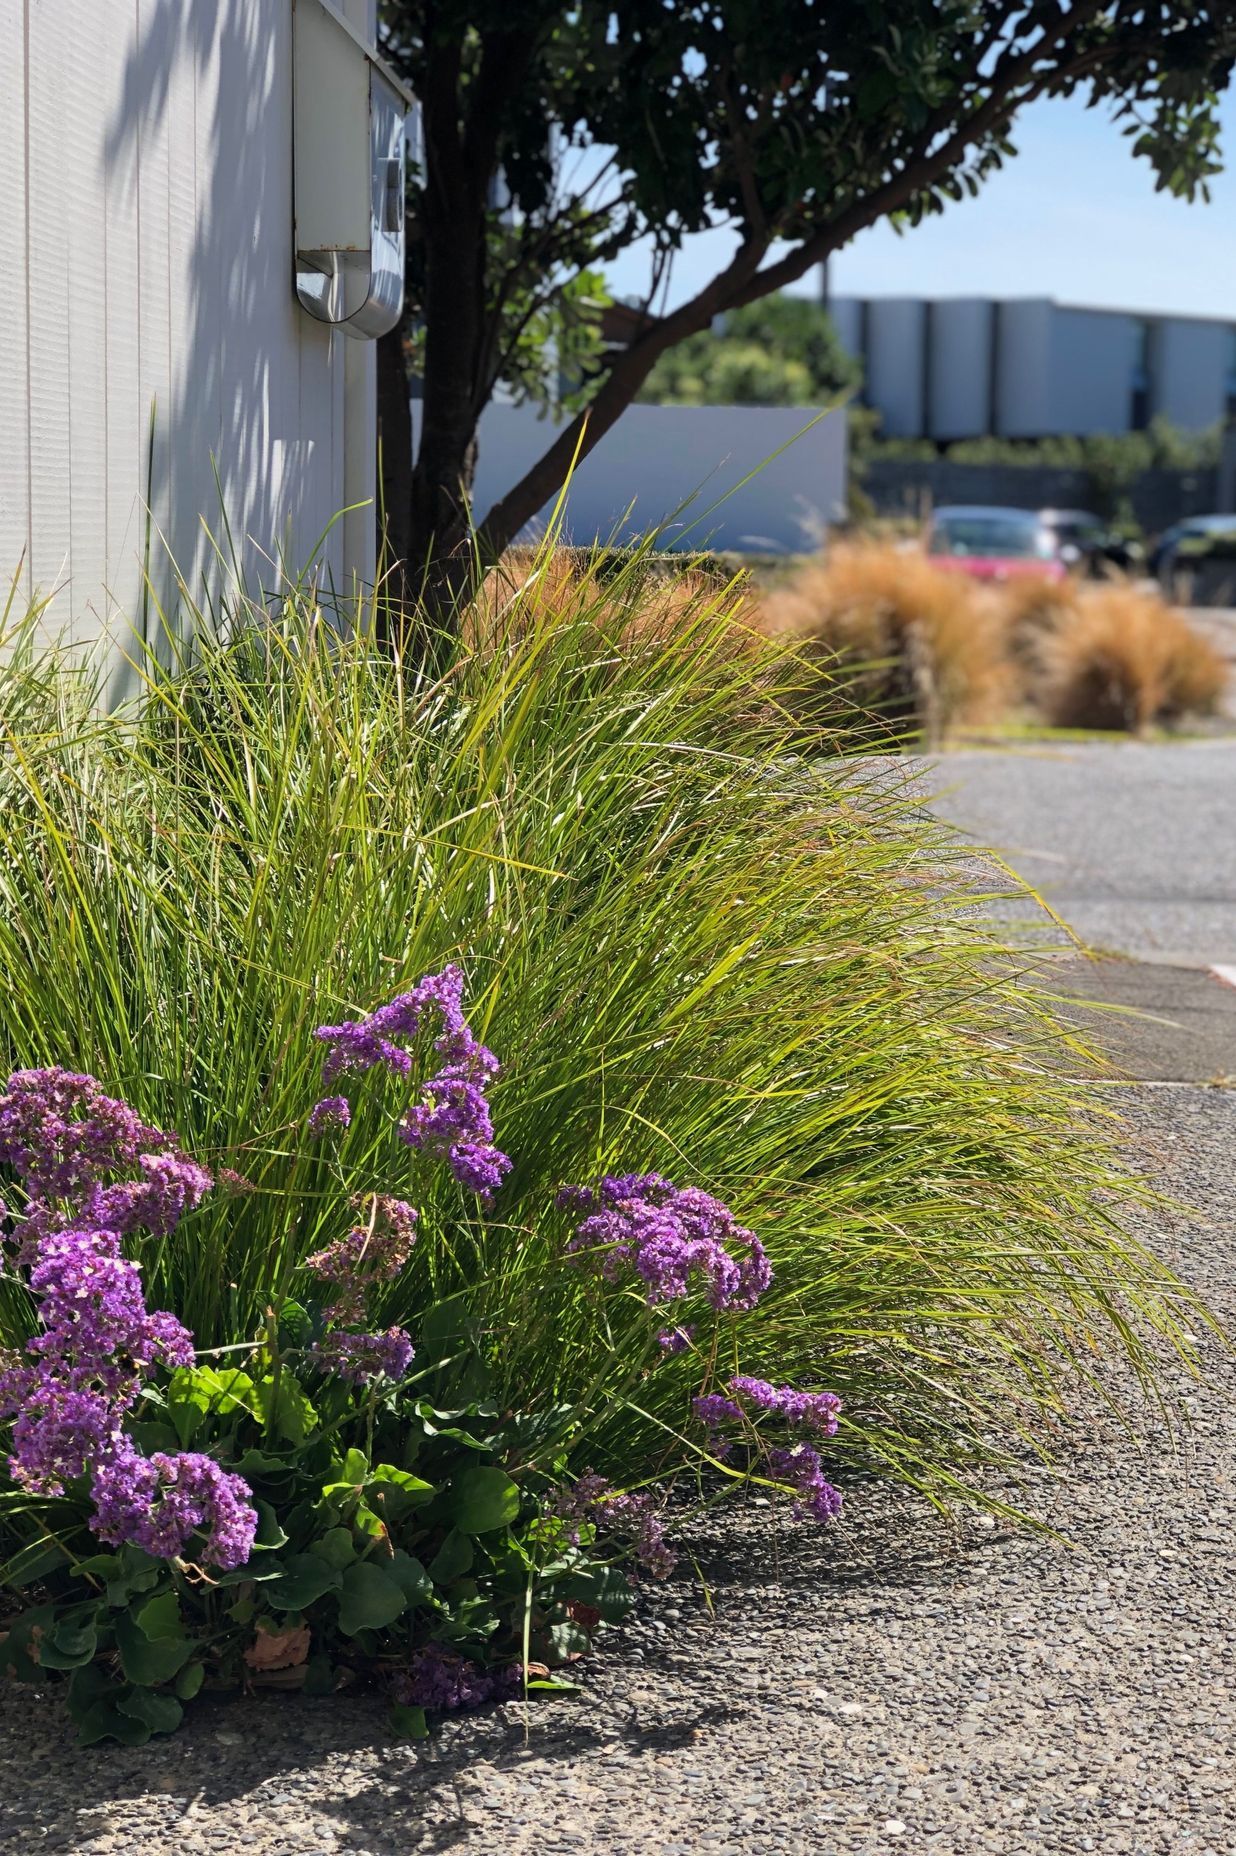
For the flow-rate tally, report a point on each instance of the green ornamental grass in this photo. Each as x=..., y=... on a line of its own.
x=695, y=948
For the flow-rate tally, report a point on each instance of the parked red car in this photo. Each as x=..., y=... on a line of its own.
x=994, y=544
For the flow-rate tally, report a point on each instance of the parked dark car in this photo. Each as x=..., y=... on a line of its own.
x=1086, y=543
x=990, y=543
x=1164, y=561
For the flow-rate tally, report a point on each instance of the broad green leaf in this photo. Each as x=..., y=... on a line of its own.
x=103, y=1720
x=568, y=1640
x=410, y=1576
x=408, y=1723
x=355, y=1468
x=198, y=1392
x=335, y=1546
x=452, y=1560
x=160, y=1616
x=285, y=1408
x=305, y=1577
x=161, y=1714
x=605, y=1588
x=370, y=1599
x=397, y=1492
x=189, y=1681
x=482, y=1498
x=72, y=1642
x=144, y=1661
x=269, y=1529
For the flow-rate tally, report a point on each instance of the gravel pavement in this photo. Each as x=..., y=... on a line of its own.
x=1134, y=844
x=894, y=1684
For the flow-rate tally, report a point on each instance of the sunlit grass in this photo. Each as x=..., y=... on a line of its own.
x=694, y=948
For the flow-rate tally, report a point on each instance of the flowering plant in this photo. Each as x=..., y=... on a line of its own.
x=314, y=1505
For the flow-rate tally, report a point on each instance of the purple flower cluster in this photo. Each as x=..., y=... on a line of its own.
x=453, y=1123
x=371, y=1253
x=796, y=1464
x=636, y=1515
x=332, y=1112
x=362, y=1358
x=667, y=1234
x=84, y=1370
x=158, y=1503
x=801, y=1467
x=804, y=1411
x=675, y=1340
x=438, y=1678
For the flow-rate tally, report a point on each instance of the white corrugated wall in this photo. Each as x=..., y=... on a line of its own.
x=146, y=273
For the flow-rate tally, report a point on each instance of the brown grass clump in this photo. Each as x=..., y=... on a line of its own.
x=1123, y=660
x=916, y=646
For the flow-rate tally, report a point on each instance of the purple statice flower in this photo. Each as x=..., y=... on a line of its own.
x=171, y=1185
x=330, y=1114
x=713, y=1410
x=370, y=1253
x=362, y=1358
x=453, y=1122
x=159, y=1502
x=440, y=1679
x=808, y=1411
x=669, y=1235
x=62, y=1134
x=636, y=1515
x=802, y=1469
x=94, y=1315
x=58, y=1432
x=675, y=1340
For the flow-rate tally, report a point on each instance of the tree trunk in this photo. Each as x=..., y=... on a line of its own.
x=394, y=473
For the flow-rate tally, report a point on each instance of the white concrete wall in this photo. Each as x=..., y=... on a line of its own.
x=895, y=364
x=657, y=458
x=145, y=226
x=1023, y=369
x=1193, y=363
x=959, y=381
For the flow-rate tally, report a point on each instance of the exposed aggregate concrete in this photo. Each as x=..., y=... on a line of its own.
x=894, y=1685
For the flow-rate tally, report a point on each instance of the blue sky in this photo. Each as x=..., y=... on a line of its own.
x=1075, y=217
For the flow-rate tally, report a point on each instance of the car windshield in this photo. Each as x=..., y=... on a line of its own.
x=1011, y=537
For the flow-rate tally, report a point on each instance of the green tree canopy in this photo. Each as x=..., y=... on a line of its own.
x=554, y=136
x=780, y=351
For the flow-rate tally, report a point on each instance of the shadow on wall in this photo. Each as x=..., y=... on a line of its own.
x=198, y=153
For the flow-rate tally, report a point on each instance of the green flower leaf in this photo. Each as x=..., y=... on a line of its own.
x=103, y=1720
x=452, y=1560
x=336, y=1547
x=73, y=1642
x=408, y=1723
x=482, y=1498
x=144, y=1661
x=160, y=1616
x=285, y=1409
x=305, y=1578
x=160, y=1714
x=410, y=1576
x=189, y=1681
x=370, y=1599
x=397, y=1492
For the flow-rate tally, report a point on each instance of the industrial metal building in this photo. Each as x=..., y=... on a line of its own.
x=966, y=367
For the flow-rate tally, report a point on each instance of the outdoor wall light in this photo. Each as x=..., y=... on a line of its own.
x=349, y=112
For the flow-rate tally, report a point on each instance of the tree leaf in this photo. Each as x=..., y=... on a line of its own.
x=370, y=1599
x=482, y=1498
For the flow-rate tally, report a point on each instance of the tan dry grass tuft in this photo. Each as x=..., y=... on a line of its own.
x=1123, y=660
x=918, y=646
